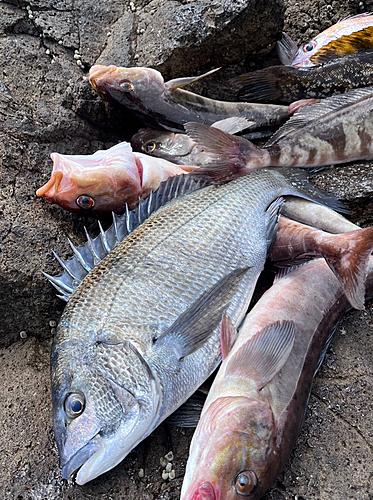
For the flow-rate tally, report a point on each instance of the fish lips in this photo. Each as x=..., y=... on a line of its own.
x=80, y=458
x=205, y=491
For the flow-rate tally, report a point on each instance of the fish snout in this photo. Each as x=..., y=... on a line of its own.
x=98, y=71
x=205, y=491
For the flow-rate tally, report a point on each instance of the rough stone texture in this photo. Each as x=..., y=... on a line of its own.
x=46, y=105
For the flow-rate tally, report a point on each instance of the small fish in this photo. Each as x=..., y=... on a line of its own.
x=256, y=405
x=180, y=148
x=144, y=91
x=338, y=129
x=346, y=37
x=346, y=254
x=105, y=181
x=289, y=83
x=140, y=332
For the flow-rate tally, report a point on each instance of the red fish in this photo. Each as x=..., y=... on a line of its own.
x=105, y=181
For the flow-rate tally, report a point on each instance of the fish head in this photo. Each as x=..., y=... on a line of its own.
x=162, y=144
x=230, y=454
x=128, y=86
x=95, y=184
x=101, y=409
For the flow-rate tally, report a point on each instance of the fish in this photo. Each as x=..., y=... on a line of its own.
x=256, y=405
x=290, y=83
x=180, y=148
x=140, y=331
x=346, y=254
x=336, y=130
x=345, y=37
x=166, y=104
x=105, y=181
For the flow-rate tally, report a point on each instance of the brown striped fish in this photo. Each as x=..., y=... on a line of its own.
x=338, y=129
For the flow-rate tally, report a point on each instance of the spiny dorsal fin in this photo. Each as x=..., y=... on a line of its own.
x=88, y=255
x=308, y=114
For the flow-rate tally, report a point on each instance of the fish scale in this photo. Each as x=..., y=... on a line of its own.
x=140, y=333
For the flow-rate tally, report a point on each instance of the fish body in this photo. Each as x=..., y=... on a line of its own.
x=154, y=101
x=256, y=405
x=290, y=83
x=105, y=181
x=346, y=37
x=336, y=130
x=126, y=354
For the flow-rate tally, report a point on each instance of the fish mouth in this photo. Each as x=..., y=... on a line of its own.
x=205, y=491
x=79, y=459
x=97, y=72
x=54, y=181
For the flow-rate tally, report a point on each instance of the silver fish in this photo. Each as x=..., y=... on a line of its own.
x=154, y=101
x=255, y=408
x=140, y=332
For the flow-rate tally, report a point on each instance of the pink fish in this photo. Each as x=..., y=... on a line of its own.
x=107, y=180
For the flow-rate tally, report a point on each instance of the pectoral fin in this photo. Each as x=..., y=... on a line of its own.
x=263, y=356
x=196, y=325
x=228, y=335
x=181, y=82
x=233, y=124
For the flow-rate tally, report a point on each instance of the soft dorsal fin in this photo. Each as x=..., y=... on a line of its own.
x=88, y=255
x=263, y=355
x=308, y=114
x=196, y=325
x=181, y=82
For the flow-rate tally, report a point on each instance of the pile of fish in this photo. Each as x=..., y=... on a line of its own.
x=157, y=300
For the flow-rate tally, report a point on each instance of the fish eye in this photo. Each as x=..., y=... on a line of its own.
x=84, y=201
x=309, y=47
x=246, y=482
x=126, y=85
x=150, y=147
x=74, y=404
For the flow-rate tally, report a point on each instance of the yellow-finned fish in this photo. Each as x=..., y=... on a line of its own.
x=348, y=36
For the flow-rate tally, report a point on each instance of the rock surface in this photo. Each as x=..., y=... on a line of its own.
x=46, y=105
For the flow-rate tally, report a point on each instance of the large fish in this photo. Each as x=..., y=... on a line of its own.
x=140, y=332
x=338, y=129
x=105, y=181
x=347, y=36
x=289, y=83
x=256, y=405
x=144, y=91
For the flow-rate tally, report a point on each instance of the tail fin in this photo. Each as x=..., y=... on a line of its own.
x=350, y=262
x=231, y=155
